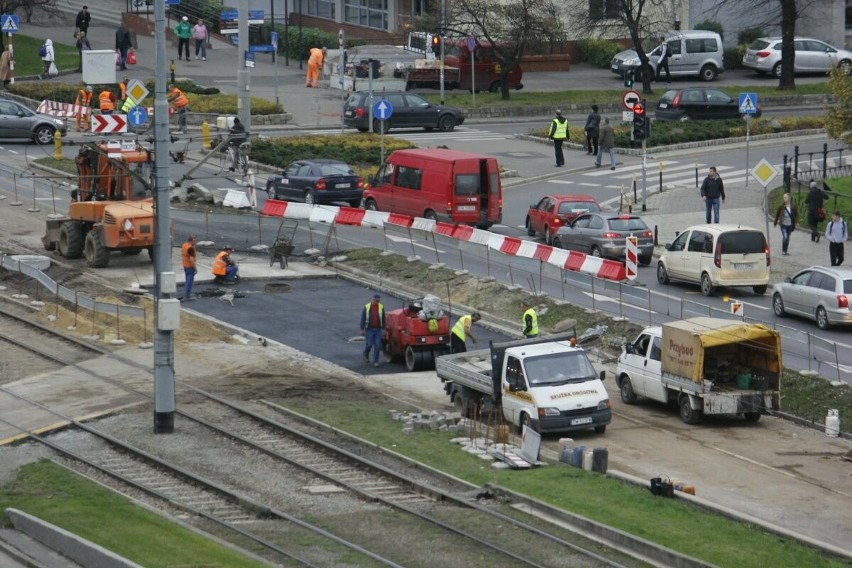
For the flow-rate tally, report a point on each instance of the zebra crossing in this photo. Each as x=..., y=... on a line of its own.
x=420, y=136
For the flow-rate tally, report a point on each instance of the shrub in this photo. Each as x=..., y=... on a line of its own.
x=748, y=35
x=711, y=26
x=362, y=151
x=598, y=52
x=734, y=57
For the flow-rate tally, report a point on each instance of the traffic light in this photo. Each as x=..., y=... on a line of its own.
x=640, y=121
x=436, y=44
x=629, y=75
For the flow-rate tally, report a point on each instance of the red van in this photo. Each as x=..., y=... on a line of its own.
x=444, y=185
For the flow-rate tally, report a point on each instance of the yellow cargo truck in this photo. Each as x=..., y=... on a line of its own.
x=705, y=365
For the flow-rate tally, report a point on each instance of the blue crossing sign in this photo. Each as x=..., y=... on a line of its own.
x=9, y=23
x=383, y=109
x=137, y=116
x=748, y=103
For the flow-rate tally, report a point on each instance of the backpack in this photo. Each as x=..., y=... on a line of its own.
x=42, y=51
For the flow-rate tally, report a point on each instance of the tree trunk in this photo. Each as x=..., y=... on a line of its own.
x=788, y=50
x=504, y=83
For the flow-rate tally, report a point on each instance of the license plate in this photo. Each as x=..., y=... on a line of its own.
x=466, y=208
x=615, y=66
x=343, y=185
x=743, y=265
x=348, y=113
x=663, y=105
x=578, y=421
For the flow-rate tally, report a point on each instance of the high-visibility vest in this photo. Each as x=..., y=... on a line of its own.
x=84, y=98
x=122, y=89
x=367, y=314
x=220, y=267
x=187, y=259
x=107, y=99
x=461, y=325
x=561, y=131
x=316, y=57
x=127, y=105
x=179, y=99
x=534, y=328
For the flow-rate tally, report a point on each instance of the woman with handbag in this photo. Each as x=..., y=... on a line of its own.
x=815, y=200
x=48, y=60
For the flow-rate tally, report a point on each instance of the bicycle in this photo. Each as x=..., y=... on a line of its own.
x=226, y=158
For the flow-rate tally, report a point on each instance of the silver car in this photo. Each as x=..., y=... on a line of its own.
x=18, y=121
x=820, y=293
x=812, y=56
x=605, y=235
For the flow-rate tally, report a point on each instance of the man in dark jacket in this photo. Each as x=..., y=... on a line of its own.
x=815, y=200
x=122, y=45
x=712, y=190
x=559, y=134
x=83, y=19
x=592, y=129
x=663, y=62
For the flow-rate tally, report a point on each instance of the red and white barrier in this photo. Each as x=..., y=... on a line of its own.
x=510, y=246
x=56, y=108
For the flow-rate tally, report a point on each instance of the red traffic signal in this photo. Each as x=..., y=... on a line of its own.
x=638, y=109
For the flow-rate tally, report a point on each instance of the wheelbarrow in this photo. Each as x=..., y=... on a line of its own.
x=283, y=247
x=178, y=148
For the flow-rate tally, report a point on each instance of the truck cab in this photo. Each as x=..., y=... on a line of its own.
x=642, y=365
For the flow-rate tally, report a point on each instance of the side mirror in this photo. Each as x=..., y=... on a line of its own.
x=603, y=376
x=788, y=280
x=628, y=348
x=668, y=246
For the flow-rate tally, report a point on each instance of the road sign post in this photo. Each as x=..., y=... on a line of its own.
x=9, y=24
x=471, y=47
x=748, y=107
x=764, y=172
x=383, y=110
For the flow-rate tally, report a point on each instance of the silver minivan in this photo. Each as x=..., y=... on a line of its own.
x=692, y=52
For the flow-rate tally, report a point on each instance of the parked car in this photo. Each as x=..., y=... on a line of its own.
x=812, y=56
x=408, y=111
x=555, y=211
x=691, y=52
x=820, y=293
x=717, y=255
x=696, y=103
x=605, y=235
x=317, y=181
x=18, y=121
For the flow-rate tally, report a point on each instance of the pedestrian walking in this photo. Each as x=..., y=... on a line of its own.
x=84, y=108
x=815, y=200
x=713, y=193
x=835, y=232
x=82, y=45
x=461, y=331
x=663, y=61
x=188, y=258
x=559, y=134
x=181, y=104
x=82, y=20
x=47, y=58
x=183, y=31
x=592, y=129
x=200, y=35
x=529, y=319
x=372, y=324
x=786, y=216
x=6, y=66
x=315, y=61
x=607, y=144
x=122, y=45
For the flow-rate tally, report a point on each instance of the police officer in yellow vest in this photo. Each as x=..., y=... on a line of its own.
x=529, y=320
x=461, y=331
x=559, y=134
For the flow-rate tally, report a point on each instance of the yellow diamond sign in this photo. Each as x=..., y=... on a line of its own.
x=137, y=91
x=764, y=172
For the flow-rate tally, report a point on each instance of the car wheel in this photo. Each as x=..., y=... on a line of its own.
x=446, y=123
x=776, y=71
x=688, y=414
x=429, y=214
x=645, y=260
x=662, y=273
x=371, y=205
x=778, y=305
x=354, y=203
x=600, y=429
x=530, y=230
x=270, y=191
x=557, y=243
x=548, y=237
x=709, y=73
x=381, y=126
x=363, y=129
x=628, y=395
x=525, y=421
x=43, y=135
x=759, y=290
x=596, y=252
x=845, y=66
x=494, y=87
x=706, y=284
x=751, y=416
x=310, y=198
x=822, y=318
x=684, y=118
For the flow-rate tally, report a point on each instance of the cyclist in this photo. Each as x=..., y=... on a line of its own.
x=237, y=135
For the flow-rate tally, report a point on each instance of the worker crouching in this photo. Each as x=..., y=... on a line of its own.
x=225, y=270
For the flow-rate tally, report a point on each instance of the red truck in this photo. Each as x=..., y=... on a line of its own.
x=457, y=70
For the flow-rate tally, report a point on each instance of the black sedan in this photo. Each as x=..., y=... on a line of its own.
x=697, y=103
x=317, y=181
x=605, y=235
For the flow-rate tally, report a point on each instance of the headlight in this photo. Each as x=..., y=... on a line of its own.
x=604, y=404
x=59, y=122
x=548, y=412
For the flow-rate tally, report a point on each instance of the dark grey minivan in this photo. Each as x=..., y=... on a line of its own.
x=407, y=110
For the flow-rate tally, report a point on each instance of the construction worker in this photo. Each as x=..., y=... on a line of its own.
x=317, y=56
x=461, y=331
x=84, y=108
x=187, y=256
x=181, y=104
x=122, y=88
x=127, y=104
x=529, y=319
x=372, y=324
x=106, y=102
x=224, y=268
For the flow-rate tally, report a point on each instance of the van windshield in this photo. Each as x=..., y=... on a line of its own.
x=467, y=184
x=742, y=242
x=559, y=369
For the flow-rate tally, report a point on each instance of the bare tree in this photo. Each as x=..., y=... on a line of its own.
x=29, y=8
x=509, y=26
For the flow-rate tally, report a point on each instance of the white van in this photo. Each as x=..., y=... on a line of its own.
x=691, y=53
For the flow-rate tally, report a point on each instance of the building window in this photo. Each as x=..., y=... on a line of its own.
x=319, y=8
x=603, y=9
x=368, y=13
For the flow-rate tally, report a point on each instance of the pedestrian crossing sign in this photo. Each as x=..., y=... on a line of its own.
x=748, y=103
x=9, y=23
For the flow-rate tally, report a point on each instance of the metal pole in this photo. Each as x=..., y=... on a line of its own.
x=644, y=174
x=472, y=72
x=340, y=75
x=441, y=33
x=748, y=140
x=243, y=79
x=287, y=33
x=370, y=89
x=301, y=48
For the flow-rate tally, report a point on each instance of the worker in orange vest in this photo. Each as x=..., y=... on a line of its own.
x=224, y=268
x=107, y=101
x=181, y=104
x=122, y=88
x=315, y=60
x=188, y=257
x=84, y=107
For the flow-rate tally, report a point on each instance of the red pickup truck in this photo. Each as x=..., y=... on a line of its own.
x=457, y=70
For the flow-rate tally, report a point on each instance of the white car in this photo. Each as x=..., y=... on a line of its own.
x=812, y=56
x=717, y=255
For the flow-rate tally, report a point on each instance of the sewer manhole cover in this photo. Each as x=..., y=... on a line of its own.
x=277, y=287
